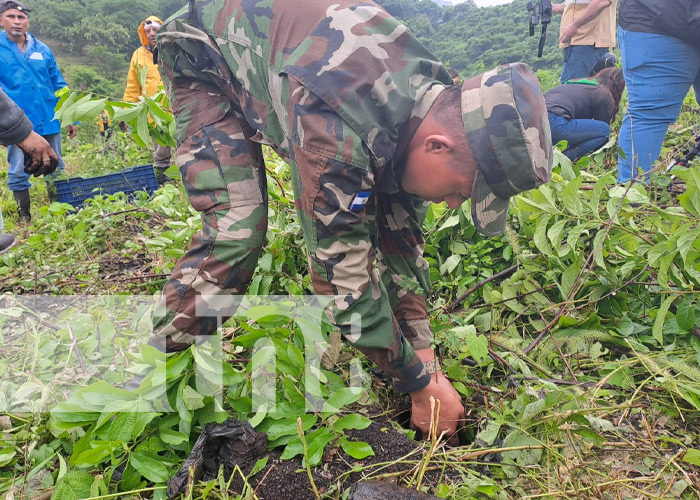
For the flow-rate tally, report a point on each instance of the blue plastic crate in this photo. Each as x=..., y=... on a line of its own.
x=77, y=189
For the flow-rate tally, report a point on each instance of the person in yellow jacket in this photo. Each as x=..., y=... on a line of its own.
x=104, y=124
x=143, y=58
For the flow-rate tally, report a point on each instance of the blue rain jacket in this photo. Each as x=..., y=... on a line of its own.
x=31, y=80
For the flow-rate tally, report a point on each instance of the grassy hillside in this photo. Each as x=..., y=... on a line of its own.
x=93, y=41
x=471, y=39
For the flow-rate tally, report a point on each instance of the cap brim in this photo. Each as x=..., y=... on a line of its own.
x=489, y=212
x=23, y=9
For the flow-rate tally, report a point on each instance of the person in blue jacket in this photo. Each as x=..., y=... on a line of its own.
x=40, y=159
x=30, y=77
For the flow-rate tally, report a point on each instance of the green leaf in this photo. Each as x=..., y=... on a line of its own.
x=568, y=279
x=128, y=113
x=533, y=409
x=450, y=264
x=598, y=189
x=342, y=398
x=65, y=113
x=115, y=408
x=451, y=221
x=571, y=197
x=158, y=112
x=62, y=466
x=150, y=466
x=75, y=485
x=489, y=434
x=590, y=436
x=121, y=427
x=523, y=457
x=192, y=399
x=686, y=242
x=259, y=465
x=352, y=421
x=599, y=254
x=318, y=444
x=478, y=346
x=141, y=134
x=690, y=200
x=356, y=449
x=657, y=329
x=7, y=454
x=685, y=314
x=93, y=456
x=540, y=236
x=293, y=448
x=258, y=313
x=288, y=426
x=88, y=109
x=172, y=437
x=143, y=418
x=692, y=456
x=554, y=233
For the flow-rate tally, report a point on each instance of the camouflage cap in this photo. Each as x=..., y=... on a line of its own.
x=506, y=122
x=13, y=4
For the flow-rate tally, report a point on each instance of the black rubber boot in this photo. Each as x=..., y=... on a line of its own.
x=7, y=241
x=161, y=177
x=24, y=204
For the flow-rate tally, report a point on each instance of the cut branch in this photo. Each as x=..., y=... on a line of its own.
x=506, y=272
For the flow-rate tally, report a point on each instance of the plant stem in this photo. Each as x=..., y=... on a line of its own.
x=300, y=431
x=126, y=493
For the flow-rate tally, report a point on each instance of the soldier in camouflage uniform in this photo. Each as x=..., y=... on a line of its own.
x=373, y=129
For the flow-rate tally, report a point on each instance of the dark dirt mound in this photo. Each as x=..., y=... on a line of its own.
x=287, y=480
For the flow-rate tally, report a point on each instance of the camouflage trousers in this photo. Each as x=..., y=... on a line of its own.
x=380, y=286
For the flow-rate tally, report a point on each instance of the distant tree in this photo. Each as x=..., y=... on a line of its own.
x=111, y=65
x=168, y=7
x=87, y=79
x=53, y=20
x=421, y=27
x=98, y=30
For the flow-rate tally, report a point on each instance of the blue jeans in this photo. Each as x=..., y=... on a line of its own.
x=583, y=136
x=17, y=178
x=579, y=61
x=659, y=71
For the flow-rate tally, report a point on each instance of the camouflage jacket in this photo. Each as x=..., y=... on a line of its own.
x=340, y=79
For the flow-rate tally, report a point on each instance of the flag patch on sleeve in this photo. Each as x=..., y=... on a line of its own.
x=360, y=201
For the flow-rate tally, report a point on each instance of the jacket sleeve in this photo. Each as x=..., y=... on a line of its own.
x=14, y=125
x=133, y=86
x=57, y=79
x=342, y=219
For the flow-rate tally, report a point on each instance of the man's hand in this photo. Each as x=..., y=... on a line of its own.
x=567, y=33
x=451, y=408
x=39, y=158
x=71, y=130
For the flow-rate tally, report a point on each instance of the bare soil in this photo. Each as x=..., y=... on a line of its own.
x=287, y=480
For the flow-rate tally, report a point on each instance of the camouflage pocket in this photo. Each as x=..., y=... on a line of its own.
x=221, y=167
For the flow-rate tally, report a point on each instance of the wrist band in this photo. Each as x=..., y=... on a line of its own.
x=432, y=366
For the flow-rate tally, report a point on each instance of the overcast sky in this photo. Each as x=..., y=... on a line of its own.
x=485, y=3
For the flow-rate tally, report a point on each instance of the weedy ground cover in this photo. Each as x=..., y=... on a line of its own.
x=574, y=340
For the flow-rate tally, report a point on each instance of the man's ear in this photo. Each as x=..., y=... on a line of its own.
x=438, y=143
